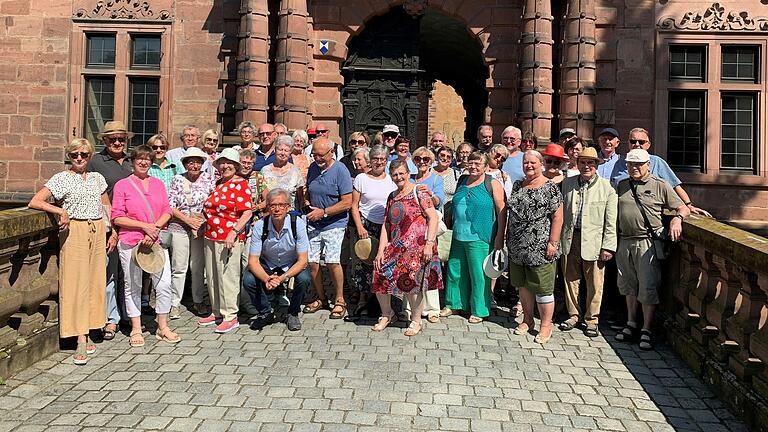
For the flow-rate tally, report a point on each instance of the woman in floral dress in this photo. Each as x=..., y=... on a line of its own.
x=407, y=261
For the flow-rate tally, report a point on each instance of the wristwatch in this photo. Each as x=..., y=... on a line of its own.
x=325, y=215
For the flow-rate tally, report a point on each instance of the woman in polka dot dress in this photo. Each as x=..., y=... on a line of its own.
x=227, y=210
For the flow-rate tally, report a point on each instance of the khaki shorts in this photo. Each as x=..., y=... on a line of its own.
x=538, y=279
x=639, y=270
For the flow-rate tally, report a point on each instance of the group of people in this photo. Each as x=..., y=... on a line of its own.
x=254, y=224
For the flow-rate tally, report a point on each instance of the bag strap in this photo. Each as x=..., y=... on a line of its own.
x=143, y=198
x=646, y=222
x=265, y=229
x=488, y=181
x=294, y=230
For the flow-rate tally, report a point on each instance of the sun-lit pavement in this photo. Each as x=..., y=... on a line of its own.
x=340, y=376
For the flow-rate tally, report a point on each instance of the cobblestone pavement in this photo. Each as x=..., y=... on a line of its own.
x=340, y=376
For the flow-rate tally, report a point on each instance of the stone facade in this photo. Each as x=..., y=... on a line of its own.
x=538, y=64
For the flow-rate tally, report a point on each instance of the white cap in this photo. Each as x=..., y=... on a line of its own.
x=638, y=156
x=391, y=128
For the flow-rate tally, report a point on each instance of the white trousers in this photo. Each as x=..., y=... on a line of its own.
x=132, y=278
x=187, y=253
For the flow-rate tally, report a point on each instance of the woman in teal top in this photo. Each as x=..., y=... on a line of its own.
x=475, y=212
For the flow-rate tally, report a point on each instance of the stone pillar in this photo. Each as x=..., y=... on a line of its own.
x=310, y=74
x=291, y=78
x=535, y=111
x=252, y=82
x=577, y=87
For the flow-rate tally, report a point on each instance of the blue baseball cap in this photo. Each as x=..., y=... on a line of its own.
x=609, y=131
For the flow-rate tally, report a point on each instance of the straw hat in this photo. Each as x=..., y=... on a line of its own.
x=151, y=259
x=590, y=153
x=366, y=249
x=193, y=152
x=495, y=264
x=114, y=127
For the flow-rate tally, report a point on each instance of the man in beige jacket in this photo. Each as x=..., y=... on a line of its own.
x=588, y=239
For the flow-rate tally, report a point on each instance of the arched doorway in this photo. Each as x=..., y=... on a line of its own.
x=393, y=63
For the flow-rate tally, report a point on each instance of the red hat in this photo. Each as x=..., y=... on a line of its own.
x=311, y=132
x=554, y=150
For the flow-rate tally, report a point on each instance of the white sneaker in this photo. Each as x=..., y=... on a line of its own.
x=175, y=313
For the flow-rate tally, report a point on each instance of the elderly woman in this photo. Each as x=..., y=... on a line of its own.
x=361, y=160
x=188, y=191
x=227, y=210
x=356, y=141
x=402, y=151
x=369, y=199
x=211, y=148
x=535, y=218
x=162, y=168
x=462, y=153
x=300, y=159
x=424, y=158
x=498, y=155
x=529, y=142
x=573, y=148
x=407, y=260
x=141, y=209
x=476, y=211
x=82, y=241
x=554, y=160
x=443, y=169
x=247, y=133
x=283, y=174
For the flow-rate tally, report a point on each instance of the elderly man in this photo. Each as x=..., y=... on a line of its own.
x=642, y=197
x=511, y=137
x=281, y=129
x=588, y=239
x=390, y=134
x=330, y=197
x=639, y=138
x=565, y=135
x=609, y=144
x=279, y=251
x=190, y=137
x=265, y=154
x=484, y=138
x=112, y=163
x=322, y=131
x=437, y=141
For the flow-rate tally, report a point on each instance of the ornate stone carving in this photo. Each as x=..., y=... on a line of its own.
x=714, y=18
x=123, y=10
x=415, y=8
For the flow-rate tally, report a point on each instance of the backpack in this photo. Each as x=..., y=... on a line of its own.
x=448, y=209
x=265, y=229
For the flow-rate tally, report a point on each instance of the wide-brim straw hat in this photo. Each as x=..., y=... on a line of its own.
x=366, y=249
x=114, y=127
x=193, y=152
x=151, y=259
x=495, y=264
x=590, y=153
x=229, y=154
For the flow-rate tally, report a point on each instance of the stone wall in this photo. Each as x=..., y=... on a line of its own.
x=28, y=289
x=716, y=306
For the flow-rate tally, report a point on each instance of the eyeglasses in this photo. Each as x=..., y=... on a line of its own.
x=322, y=131
x=379, y=159
x=361, y=142
x=212, y=140
x=189, y=136
x=445, y=157
x=475, y=163
x=553, y=161
x=81, y=155
x=142, y=159
x=266, y=133
x=499, y=156
x=113, y=140
x=193, y=161
x=511, y=139
x=318, y=155
x=158, y=147
x=419, y=159
x=638, y=141
x=278, y=205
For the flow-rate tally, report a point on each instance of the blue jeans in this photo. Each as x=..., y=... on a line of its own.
x=260, y=298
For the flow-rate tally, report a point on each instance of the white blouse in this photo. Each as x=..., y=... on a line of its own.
x=80, y=198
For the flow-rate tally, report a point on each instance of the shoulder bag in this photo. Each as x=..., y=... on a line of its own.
x=659, y=239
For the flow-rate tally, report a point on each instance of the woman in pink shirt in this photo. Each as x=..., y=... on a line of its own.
x=140, y=209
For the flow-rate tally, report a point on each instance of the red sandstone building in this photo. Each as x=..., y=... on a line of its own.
x=692, y=72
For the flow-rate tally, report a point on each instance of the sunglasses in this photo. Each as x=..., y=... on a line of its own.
x=81, y=155
x=419, y=159
x=361, y=142
x=552, y=161
x=266, y=133
x=112, y=140
x=499, y=156
x=638, y=141
x=158, y=147
x=212, y=140
x=322, y=131
x=390, y=135
x=445, y=157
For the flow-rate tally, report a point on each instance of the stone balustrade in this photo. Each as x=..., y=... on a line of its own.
x=28, y=288
x=716, y=308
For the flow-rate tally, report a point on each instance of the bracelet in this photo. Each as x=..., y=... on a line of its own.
x=429, y=241
x=688, y=203
x=555, y=243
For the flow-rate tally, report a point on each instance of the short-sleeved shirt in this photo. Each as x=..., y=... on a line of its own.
x=279, y=251
x=373, y=196
x=412, y=169
x=128, y=202
x=108, y=167
x=224, y=207
x=654, y=195
x=165, y=174
x=263, y=159
x=188, y=197
x=513, y=166
x=435, y=184
x=326, y=189
x=290, y=181
x=80, y=198
x=174, y=155
x=606, y=170
x=659, y=168
x=529, y=221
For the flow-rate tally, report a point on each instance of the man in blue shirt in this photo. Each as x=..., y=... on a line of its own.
x=609, y=144
x=511, y=137
x=276, y=257
x=265, y=154
x=329, y=186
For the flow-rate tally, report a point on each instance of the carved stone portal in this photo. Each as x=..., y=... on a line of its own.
x=714, y=18
x=123, y=10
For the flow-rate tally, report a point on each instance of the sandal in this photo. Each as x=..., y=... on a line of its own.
x=628, y=334
x=446, y=312
x=646, y=340
x=567, y=325
x=544, y=337
x=522, y=328
x=413, y=329
x=81, y=356
x=384, y=322
x=338, y=314
x=433, y=318
x=136, y=340
x=109, y=331
x=517, y=310
x=474, y=319
x=314, y=306
x=591, y=331
x=163, y=335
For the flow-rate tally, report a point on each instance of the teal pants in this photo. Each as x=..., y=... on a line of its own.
x=467, y=288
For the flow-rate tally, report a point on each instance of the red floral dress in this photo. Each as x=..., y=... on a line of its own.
x=403, y=270
x=224, y=207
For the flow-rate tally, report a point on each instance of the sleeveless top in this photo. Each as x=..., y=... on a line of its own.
x=474, y=215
